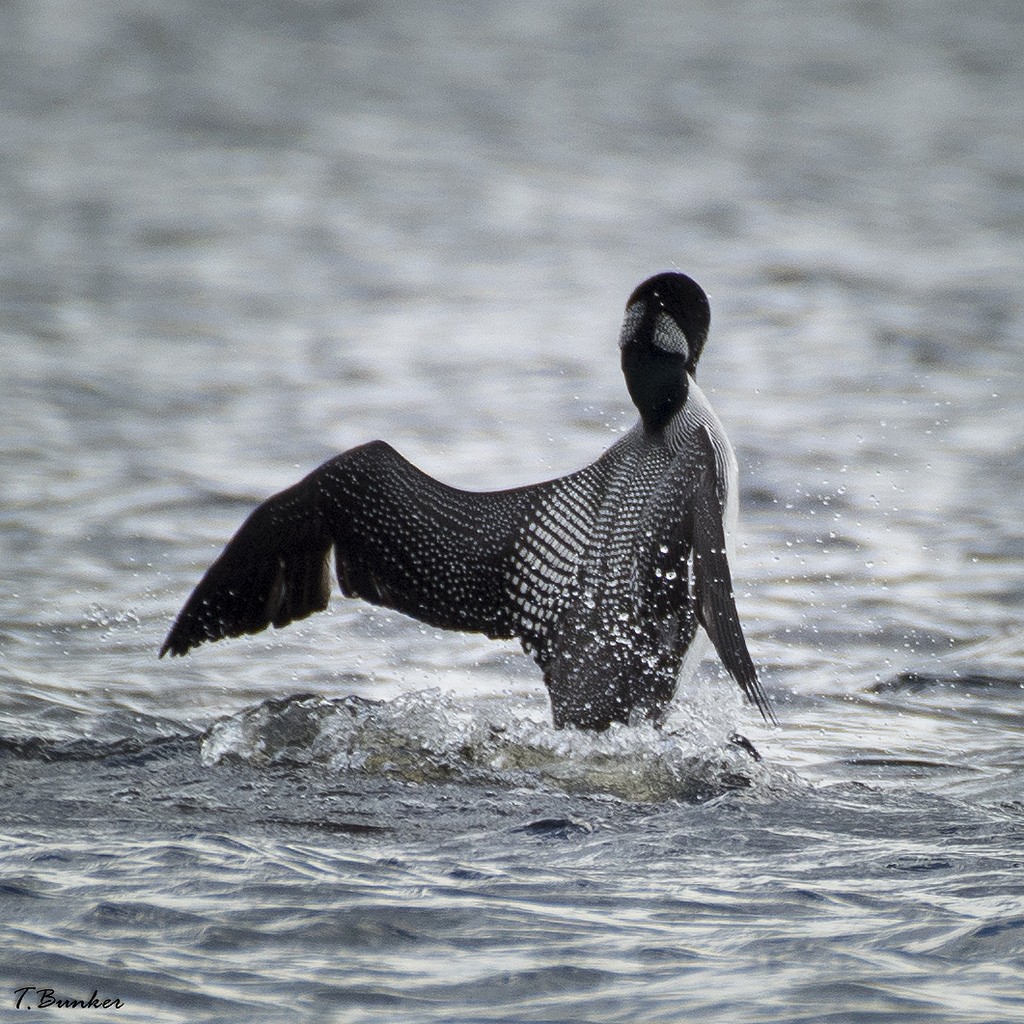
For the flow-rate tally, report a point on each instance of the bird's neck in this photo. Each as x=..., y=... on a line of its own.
x=657, y=383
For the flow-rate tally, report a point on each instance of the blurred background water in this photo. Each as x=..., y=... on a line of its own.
x=240, y=238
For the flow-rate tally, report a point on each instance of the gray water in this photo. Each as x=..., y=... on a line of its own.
x=239, y=238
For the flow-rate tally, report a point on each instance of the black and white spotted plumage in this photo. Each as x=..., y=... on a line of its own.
x=605, y=575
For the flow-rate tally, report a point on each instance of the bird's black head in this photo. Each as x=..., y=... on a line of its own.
x=663, y=333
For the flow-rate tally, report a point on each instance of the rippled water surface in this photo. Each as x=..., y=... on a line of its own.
x=241, y=238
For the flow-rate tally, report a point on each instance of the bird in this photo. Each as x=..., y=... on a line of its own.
x=613, y=577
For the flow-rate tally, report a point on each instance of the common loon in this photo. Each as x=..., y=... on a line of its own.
x=603, y=575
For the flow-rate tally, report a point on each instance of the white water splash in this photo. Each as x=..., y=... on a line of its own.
x=433, y=735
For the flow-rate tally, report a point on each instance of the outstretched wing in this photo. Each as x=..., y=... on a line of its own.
x=275, y=570
x=696, y=483
x=401, y=539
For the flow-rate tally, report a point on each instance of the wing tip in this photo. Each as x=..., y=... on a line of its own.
x=175, y=645
x=745, y=673
x=756, y=695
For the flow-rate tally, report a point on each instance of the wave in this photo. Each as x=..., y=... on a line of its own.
x=435, y=736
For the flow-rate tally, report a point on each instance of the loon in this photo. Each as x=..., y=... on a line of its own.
x=605, y=575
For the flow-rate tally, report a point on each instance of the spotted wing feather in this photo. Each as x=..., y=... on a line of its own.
x=400, y=539
x=696, y=534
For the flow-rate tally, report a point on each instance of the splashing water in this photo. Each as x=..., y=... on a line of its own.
x=432, y=735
